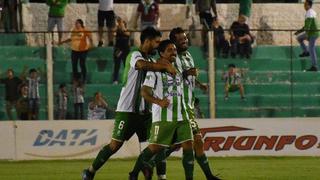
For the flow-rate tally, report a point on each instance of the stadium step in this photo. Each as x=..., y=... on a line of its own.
x=12, y=39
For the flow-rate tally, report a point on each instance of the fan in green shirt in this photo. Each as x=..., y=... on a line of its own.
x=309, y=33
x=245, y=7
x=56, y=14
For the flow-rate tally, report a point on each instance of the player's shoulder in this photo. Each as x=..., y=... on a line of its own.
x=136, y=55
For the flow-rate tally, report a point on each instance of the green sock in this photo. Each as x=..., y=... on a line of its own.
x=161, y=162
x=204, y=164
x=102, y=157
x=188, y=163
x=144, y=157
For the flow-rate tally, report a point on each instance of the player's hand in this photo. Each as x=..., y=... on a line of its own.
x=171, y=69
x=192, y=72
x=204, y=87
x=164, y=103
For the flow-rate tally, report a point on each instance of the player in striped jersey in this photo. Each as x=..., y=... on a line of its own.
x=132, y=114
x=186, y=65
x=170, y=119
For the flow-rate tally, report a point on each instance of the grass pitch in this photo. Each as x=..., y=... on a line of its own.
x=230, y=168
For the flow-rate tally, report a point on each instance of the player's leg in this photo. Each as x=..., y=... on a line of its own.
x=122, y=131
x=185, y=138
x=200, y=155
x=143, y=158
x=161, y=135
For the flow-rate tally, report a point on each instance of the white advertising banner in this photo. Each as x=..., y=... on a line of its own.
x=26, y=140
x=261, y=137
x=7, y=140
x=67, y=140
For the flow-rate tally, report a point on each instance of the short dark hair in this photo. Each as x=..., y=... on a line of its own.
x=32, y=70
x=80, y=21
x=149, y=33
x=231, y=66
x=309, y=2
x=163, y=45
x=174, y=31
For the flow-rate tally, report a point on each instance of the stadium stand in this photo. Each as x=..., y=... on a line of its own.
x=267, y=79
x=272, y=89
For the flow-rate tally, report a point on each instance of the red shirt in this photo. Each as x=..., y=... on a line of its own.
x=148, y=13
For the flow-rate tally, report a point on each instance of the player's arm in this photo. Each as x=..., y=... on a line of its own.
x=203, y=87
x=155, y=67
x=146, y=93
x=190, y=72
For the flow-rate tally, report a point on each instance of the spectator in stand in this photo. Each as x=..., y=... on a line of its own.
x=33, y=82
x=148, y=11
x=121, y=49
x=220, y=42
x=203, y=8
x=62, y=101
x=9, y=15
x=245, y=8
x=241, y=39
x=79, y=37
x=310, y=33
x=23, y=103
x=106, y=16
x=233, y=83
x=12, y=84
x=56, y=14
x=97, y=107
x=78, y=98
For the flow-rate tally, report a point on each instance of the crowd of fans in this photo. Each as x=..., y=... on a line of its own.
x=237, y=42
x=22, y=93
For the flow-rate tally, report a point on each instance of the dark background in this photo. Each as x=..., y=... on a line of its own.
x=182, y=1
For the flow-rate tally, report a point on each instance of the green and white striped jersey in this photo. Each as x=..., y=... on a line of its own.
x=130, y=99
x=184, y=62
x=167, y=86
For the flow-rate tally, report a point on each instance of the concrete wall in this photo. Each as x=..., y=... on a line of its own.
x=264, y=16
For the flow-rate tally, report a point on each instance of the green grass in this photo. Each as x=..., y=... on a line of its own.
x=230, y=168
